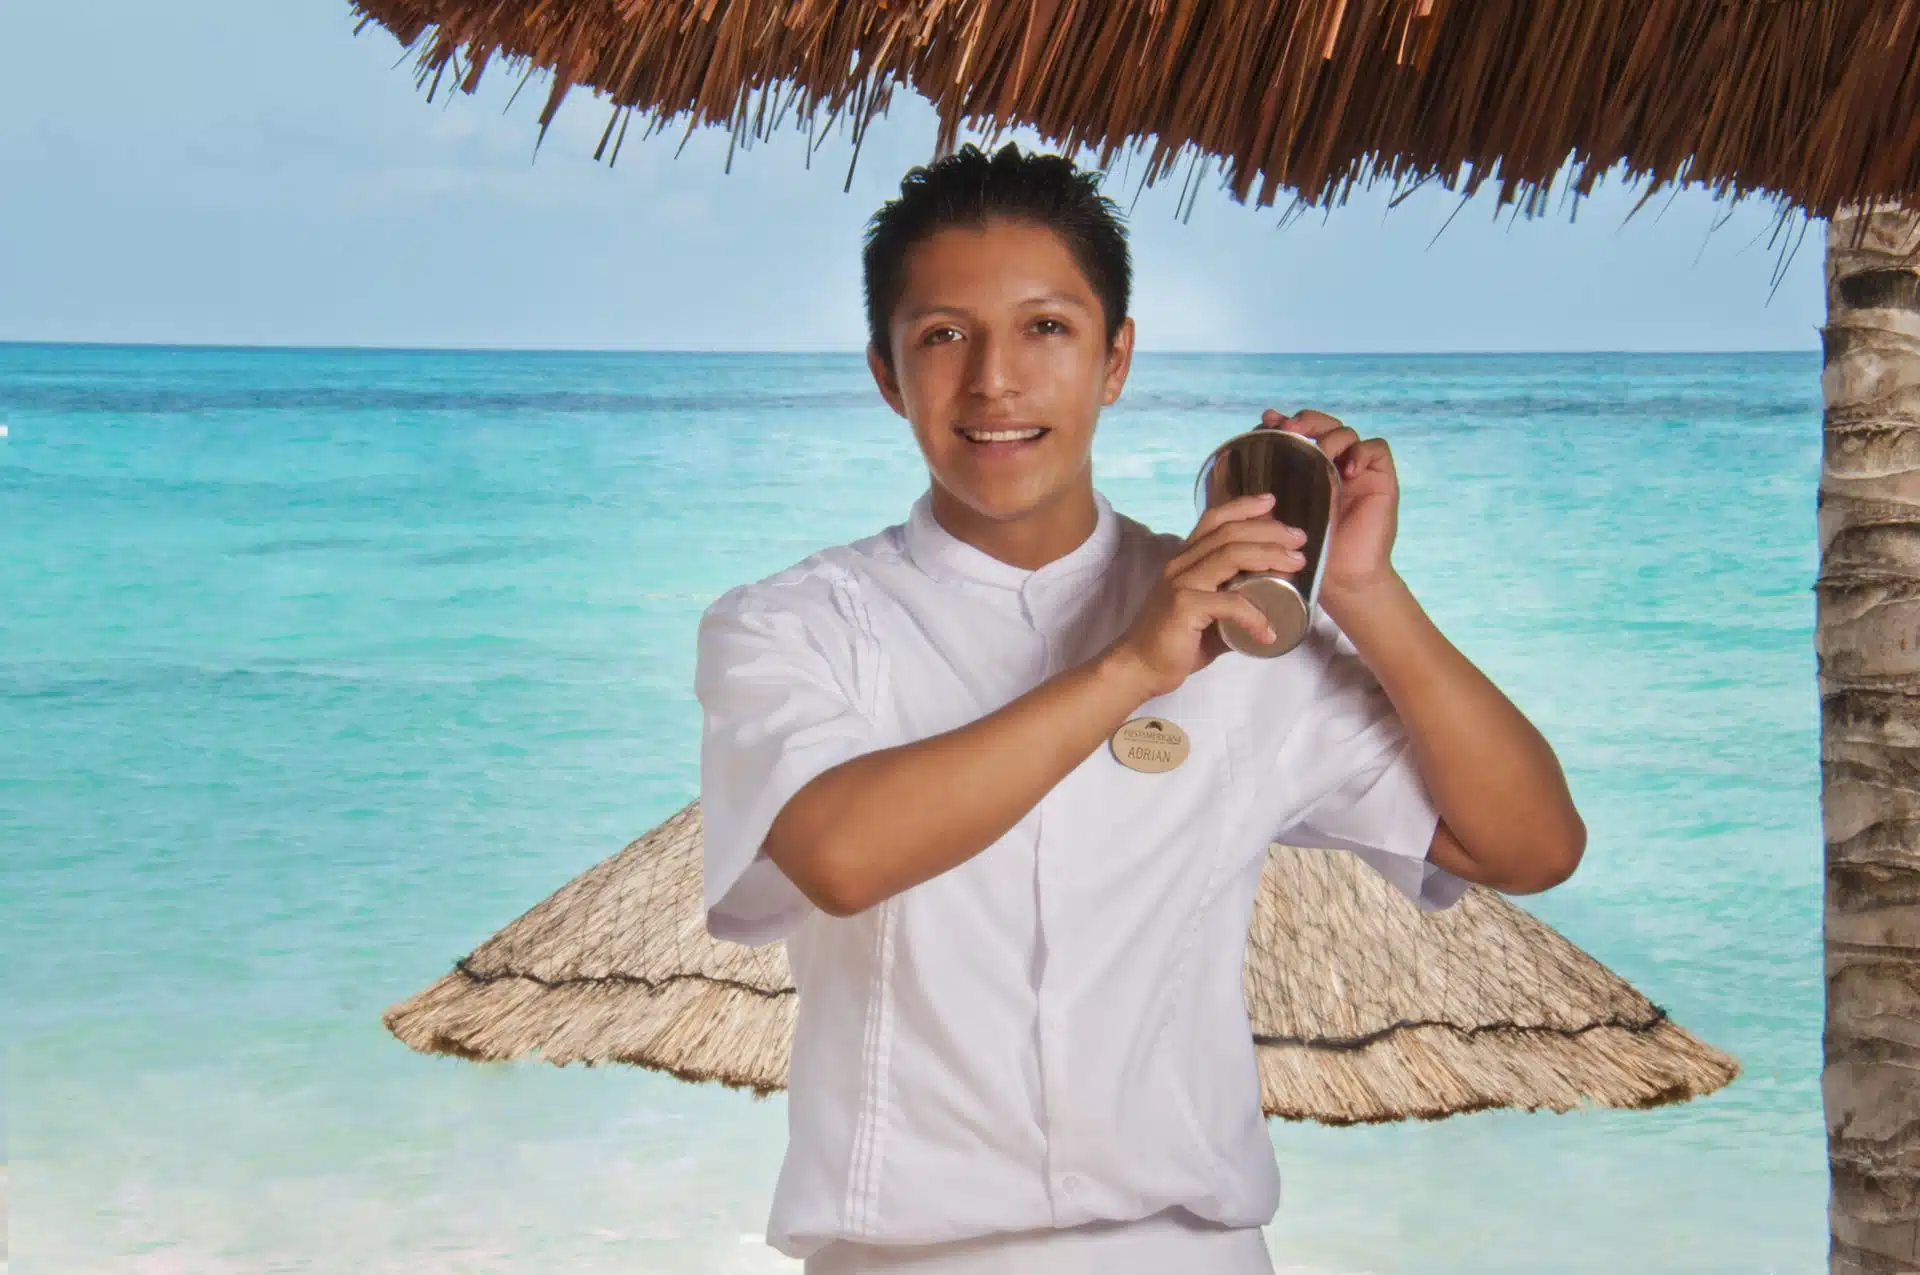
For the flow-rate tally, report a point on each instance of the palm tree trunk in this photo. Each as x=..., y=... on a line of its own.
x=1868, y=643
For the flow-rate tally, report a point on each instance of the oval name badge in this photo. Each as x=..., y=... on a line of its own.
x=1151, y=745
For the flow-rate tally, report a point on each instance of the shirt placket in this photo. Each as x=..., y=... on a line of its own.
x=1042, y=602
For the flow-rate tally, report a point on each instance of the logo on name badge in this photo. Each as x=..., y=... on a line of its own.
x=1149, y=744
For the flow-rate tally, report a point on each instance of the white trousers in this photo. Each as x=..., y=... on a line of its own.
x=1170, y=1243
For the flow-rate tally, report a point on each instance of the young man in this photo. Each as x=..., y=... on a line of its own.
x=1021, y=1042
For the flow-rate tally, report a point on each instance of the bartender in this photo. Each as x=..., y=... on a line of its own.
x=991, y=777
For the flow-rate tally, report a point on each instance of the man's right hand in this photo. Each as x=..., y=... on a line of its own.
x=1172, y=636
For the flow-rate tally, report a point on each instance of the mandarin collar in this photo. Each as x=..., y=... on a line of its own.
x=944, y=556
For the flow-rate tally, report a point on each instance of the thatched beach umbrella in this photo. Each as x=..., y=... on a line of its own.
x=1363, y=1009
x=1815, y=104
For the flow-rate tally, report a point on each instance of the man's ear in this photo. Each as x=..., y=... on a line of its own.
x=884, y=378
x=1119, y=362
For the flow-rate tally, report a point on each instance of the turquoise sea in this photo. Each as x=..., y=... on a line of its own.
x=317, y=667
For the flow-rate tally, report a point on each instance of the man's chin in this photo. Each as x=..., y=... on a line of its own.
x=1009, y=502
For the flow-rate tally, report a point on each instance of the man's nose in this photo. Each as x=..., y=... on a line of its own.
x=992, y=374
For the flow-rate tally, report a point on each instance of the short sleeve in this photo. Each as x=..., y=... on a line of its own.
x=1348, y=766
x=774, y=683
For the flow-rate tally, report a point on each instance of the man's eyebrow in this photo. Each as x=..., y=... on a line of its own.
x=1057, y=298
x=1038, y=298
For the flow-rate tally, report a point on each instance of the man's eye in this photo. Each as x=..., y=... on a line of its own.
x=938, y=336
x=1050, y=326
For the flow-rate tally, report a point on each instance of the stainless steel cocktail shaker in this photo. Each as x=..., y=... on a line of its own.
x=1306, y=491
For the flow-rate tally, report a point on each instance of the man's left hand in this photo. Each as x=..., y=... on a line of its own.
x=1369, y=512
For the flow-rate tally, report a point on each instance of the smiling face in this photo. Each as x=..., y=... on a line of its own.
x=1000, y=362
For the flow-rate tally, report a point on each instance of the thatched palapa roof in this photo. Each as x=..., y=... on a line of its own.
x=1816, y=101
x=1363, y=1008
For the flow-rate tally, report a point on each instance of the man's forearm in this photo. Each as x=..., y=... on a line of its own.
x=886, y=821
x=1497, y=784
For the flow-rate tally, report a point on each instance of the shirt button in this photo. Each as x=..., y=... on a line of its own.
x=1070, y=1183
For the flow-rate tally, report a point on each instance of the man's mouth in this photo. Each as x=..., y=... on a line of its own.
x=1004, y=434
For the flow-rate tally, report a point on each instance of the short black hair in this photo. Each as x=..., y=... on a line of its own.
x=971, y=188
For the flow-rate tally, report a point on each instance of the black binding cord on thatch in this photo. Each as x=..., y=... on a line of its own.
x=1332, y=1044
x=650, y=984
x=1341, y=1044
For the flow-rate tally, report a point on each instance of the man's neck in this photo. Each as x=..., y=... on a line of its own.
x=1031, y=541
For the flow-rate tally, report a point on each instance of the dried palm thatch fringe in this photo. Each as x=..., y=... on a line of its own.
x=1363, y=1009
x=1816, y=102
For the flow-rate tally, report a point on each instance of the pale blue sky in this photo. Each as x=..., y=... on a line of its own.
x=235, y=171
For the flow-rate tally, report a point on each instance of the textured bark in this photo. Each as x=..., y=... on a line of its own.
x=1868, y=640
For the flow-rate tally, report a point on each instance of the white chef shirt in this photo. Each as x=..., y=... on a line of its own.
x=1054, y=1031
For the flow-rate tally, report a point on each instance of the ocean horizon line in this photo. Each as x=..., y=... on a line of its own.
x=661, y=352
